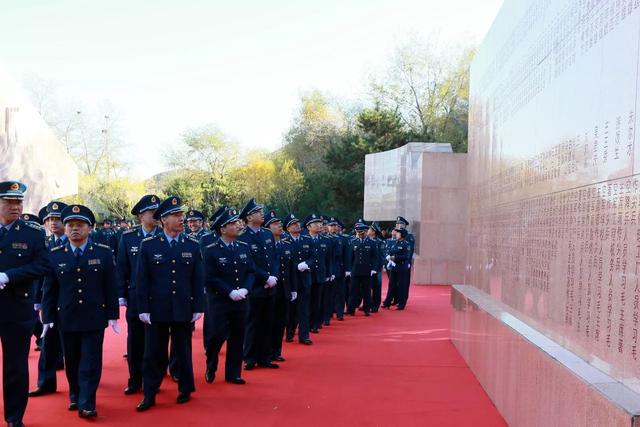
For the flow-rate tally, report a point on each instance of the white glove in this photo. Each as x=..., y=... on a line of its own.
x=347, y=274
x=294, y=295
x=45, y=328
x=388, y=258
x=235, y=295
x=37, y=307
x=408, y=265
x=303, y=266
x=243, y=292
x=390, y=265
x=373, y=273
x=333, y=277
x=145, y=318
x=271, y=281
x=114, y=325
x=4, y=279
x=196, y=317
x=122, y=301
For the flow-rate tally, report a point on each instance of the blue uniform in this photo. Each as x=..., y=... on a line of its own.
x=23, y=259
x=363, y=259
x=79, y=297
x=299, y=310
x=169, y=286
x=287, y=284
x=329, y=289
x=340, y=261
x=127, y=269
x=402, y=252
x=376, y=281
x=228, y=267
x=392, y=288
x=321, y=268
x=257, y=341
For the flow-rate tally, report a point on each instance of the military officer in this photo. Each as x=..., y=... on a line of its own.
x=229, y=271
x=286, y=289
x=80, y=299
x=127, y=268
x=300, y=309
x=170, y=296
x=257, y=340
x=403, y=223
x=400, y=254
x=392, y=287
x=23, y=260
x=374, y=233
x=341, y=244
x=51, y=357
x=195, y=222
x=327, y=294
x=320, y=267
x=107, y=235
x=212, y=235
x=363, y=258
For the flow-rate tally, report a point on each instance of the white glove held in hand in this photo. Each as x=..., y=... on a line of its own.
x=196, y=317
x=45, y=328
x=294, y=295
x=347, y=274
x=114, y=325
x=122, y=302
x=303, y=266
x=145, y=318
x=243, y=292
x=271, y=281
x=373, y=273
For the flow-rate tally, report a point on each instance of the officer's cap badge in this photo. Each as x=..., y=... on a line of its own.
x=54, y=206
x=174, y=201
x=153, y=199
x=15, y=186
x=75, y=209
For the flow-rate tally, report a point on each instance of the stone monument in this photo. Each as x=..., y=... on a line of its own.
x=549, y=315
x=30, y=152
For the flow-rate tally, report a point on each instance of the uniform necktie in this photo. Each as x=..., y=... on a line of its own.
x=78, y=253
x=57, y=242
x=3, y=232
x=173, y=243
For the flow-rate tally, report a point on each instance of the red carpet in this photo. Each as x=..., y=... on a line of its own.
x=392, y=369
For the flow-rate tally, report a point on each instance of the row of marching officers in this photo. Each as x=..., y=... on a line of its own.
x=254, y=279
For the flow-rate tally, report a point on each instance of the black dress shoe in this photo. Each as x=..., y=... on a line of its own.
x=279, y=359
x=374, y=310
x=132, y=390
x=269, y=365
x=209, y=376
x=341, y=319
x=73, y=406
x=399, y=308
x=238, y=381
x=306, y=342
x=146, y=404
x=249, y=366
x=175, y=378
x=319, y=326
x=183, y=397
x=87, y=413
x=386, y=306
x=351, y=313
x=40, y=392
x=326, y=323
x=314, y=330
x=15, y=424
x=289, y=339
x=366, y=314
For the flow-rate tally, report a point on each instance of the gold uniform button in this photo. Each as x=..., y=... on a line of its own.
x=173, y=261
x=173, y=271
x=173, y=292
x=174, y=281
x=79, y=291
x=26, y=295
x=80, y=302
x=79, y=279
x=78, y=270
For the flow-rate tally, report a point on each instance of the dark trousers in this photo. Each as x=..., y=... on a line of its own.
x=300, y=314
x=327, y=300
x=360, y=290
x=16, y=340
x=404, y=278
x=340, y=290
x=135, y=348
x=257, y=338
x=83, y=366
x=156, y=358
x=49, y=360
x=37, y=331
x=225, y=320
x=376, y=291
x=315, y=305
x=392, y=289
x=280, y=318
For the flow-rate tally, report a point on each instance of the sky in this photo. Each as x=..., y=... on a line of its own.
x=168, y=66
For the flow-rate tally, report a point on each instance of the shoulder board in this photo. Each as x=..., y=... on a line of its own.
x=133, y=230
x=212, y=245
x=149, y=238
x=32, y=225
x=193, y=239
x=240, y=242
x=57, y=248
x=285, y=241
x=304, y=236
x=103, y=246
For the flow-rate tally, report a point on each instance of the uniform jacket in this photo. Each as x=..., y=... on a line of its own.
x=80, y=294
x=23, y=258
x=228, y=267
x=170, y=281
x=262, y=246
x=363, y=256
x=287, y=280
